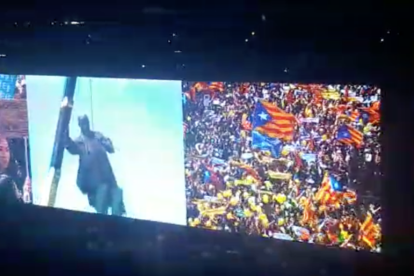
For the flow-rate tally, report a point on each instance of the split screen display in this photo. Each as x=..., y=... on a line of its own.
x=289, y=161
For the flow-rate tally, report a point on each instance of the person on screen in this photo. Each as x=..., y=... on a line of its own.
x=20, y=91
x=9, y=176
x=95, y=176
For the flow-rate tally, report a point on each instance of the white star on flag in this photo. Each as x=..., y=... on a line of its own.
x=263, y=116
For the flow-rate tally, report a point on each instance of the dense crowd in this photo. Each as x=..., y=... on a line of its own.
x=318, y=183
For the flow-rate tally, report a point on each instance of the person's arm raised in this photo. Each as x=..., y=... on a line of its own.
x=105, y=142
x=71, y=146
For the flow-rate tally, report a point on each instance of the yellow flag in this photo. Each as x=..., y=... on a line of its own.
x=279, y=175
x=331, y=95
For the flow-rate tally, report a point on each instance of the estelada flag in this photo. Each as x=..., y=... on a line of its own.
x=272, y=121
x=373, y=115
x=369, y=231
x=330, y=191
x=216, y=86
x=349, y=135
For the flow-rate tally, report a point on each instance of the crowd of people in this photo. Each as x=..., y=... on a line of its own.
x=286, y=161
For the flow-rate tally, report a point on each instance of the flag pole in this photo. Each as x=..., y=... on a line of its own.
x=59, y=144
x=27, y=189
x=91, y=95
x=26, y=155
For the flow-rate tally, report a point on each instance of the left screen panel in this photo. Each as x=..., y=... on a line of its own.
x=15, y=167
x=108, y=146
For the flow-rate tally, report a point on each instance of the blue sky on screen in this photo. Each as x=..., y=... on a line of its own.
x=144, y=120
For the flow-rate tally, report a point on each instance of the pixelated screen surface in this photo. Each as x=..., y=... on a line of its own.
x=288, y=161
x=297, y=162
x=121, y=134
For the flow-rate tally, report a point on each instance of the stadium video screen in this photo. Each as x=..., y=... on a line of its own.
x=278, y=160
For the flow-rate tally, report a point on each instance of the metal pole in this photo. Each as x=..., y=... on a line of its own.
x=27, y=188
x=59, y=144
x=91, y=95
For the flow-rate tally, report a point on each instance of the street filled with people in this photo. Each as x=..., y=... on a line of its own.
x=284, y=161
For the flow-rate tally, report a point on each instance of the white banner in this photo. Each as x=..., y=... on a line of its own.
x=310, y=120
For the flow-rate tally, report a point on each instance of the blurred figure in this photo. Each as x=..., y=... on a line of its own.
x=4, y=154
x=20, y=91
x=95, y=176
x=9, y=193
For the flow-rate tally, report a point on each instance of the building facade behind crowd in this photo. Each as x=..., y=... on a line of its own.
x=288, y=161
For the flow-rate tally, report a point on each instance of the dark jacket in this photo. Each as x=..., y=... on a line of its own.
x=94, y=166
x=9, y=194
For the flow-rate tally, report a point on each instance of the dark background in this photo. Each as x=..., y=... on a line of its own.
x=343, y=42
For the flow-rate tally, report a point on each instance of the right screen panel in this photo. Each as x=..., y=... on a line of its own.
x=285, y=161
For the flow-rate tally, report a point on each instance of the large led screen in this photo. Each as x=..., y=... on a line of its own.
x=108, y=146
x=277, y=160
x=285, y=161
